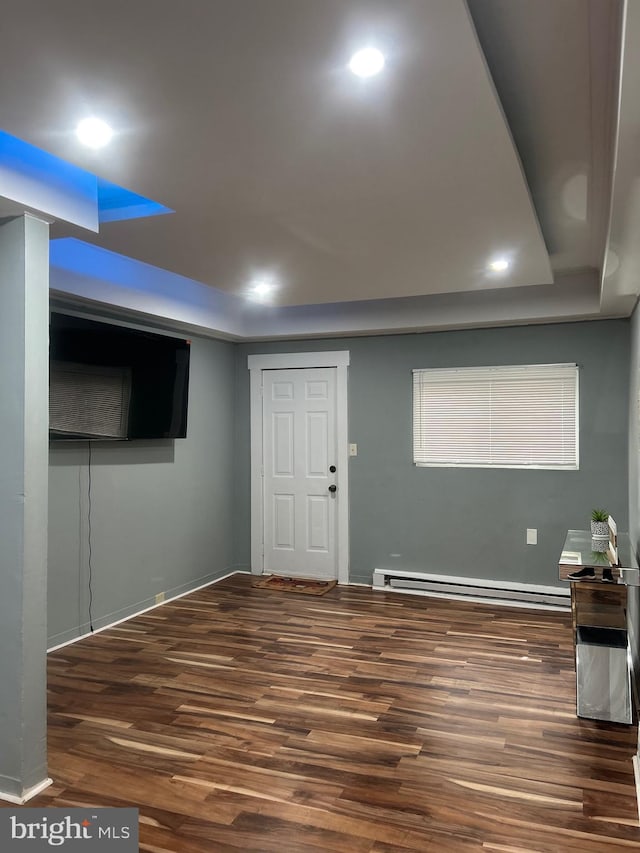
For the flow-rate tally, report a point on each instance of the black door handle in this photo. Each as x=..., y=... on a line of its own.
x=333, y=488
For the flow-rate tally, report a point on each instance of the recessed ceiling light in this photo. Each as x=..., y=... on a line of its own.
x=94, y=133
x=499, y=265
x=261, y=288
x=366, y=62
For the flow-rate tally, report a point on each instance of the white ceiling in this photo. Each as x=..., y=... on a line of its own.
x=376, y=204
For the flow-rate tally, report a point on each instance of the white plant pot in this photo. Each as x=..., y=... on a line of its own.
x=600, y=529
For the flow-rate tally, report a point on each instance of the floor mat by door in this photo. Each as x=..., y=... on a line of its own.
x=307, y=586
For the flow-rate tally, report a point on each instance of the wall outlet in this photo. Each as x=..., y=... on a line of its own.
x=159, y=597
x=532, y=536
x=353, y=450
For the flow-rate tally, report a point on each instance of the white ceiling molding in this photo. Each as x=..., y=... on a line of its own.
x=620, y=277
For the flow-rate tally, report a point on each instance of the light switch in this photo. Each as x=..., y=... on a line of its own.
x=532, y=536
x=353, y=450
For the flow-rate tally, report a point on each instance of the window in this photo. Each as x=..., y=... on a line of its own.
x=497, y=417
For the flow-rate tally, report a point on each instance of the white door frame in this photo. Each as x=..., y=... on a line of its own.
x=284, y=361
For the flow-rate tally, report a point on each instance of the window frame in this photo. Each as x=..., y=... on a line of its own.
x=484, y=373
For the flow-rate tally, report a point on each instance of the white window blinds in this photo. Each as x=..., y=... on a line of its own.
x=504, y=417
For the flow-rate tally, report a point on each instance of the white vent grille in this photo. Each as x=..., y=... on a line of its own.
x=89, y=400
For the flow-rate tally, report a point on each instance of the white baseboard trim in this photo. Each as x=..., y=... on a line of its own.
x=142, y=610
x=29, y=794
x=508, y=593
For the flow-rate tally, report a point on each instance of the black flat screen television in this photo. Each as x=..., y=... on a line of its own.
x=112, y=383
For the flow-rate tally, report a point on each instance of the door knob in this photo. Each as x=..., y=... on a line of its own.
x=333, y=488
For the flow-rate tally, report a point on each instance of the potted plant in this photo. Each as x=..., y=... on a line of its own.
x=600, y=524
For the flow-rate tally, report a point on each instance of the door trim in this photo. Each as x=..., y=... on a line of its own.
x=285, y=361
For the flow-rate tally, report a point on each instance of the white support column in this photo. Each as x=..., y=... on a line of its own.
x=24, y=346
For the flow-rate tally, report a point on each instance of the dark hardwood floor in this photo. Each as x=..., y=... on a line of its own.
x=361, y=722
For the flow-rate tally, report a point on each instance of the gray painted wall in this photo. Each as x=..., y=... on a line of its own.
x=167, y=516
x=161, y=515
x=634, y=482
x=464, y=521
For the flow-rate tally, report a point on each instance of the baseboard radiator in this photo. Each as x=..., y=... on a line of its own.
x=472, y=589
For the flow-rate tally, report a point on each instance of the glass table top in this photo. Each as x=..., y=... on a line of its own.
x=579, y=552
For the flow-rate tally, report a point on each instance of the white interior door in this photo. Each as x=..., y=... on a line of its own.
x=300, y=489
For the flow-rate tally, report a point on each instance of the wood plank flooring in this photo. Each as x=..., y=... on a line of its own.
x=360, y=722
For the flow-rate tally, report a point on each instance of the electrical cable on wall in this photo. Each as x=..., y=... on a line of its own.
x=89, y=540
